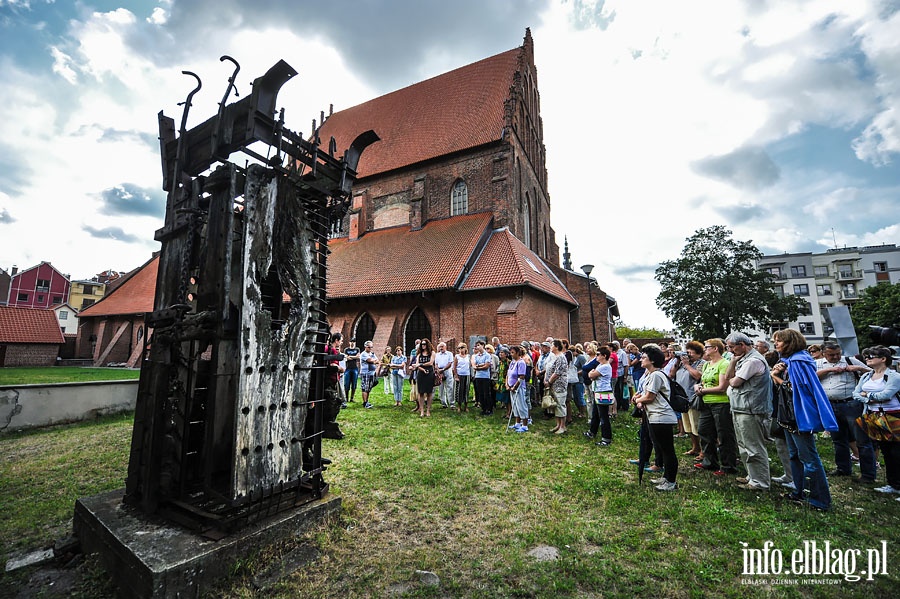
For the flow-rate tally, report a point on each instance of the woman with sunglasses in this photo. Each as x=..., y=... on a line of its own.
x=716, y=428
x=425, y=376
x=878, y=390
x=461, y=372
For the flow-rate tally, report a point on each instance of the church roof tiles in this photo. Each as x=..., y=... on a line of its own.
x=402, y=260
x=507, y=262
x=455, y=111
x=134, y=295
x=29, y=325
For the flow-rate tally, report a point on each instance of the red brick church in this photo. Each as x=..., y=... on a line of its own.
x=448, y=235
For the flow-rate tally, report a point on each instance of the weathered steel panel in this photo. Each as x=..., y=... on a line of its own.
x=226, y=428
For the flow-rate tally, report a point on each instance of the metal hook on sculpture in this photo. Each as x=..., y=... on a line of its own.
x=217, y=131
x=231, y=80
x=179, y=154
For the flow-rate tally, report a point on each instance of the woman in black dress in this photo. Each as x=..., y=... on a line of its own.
x=425, y=376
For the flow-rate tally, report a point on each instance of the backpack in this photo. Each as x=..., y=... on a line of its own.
x=678, y=398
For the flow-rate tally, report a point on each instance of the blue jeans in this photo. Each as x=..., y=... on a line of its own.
x=350, y=378
x=807, y=469
x=846, y=414
x=397, y=382
x=579, y=396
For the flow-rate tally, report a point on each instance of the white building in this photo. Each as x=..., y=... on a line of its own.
x=67, y=317
x=827, y=279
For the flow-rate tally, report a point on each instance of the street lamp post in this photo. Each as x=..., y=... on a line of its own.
x=587, y=269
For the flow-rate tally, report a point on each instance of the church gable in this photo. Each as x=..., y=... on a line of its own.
x=463, y=142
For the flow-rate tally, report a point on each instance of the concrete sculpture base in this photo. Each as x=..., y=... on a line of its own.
x=150, y=558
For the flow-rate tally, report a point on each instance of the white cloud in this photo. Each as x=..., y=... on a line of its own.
x=62, y=65
x=632, y=100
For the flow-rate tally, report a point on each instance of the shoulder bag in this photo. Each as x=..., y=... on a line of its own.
x=784, y=404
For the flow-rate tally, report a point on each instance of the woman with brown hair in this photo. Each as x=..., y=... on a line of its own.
x=813, y=413
x=425, y=376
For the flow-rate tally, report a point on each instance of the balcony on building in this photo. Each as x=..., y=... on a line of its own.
x=847, y=295
x=849, y=274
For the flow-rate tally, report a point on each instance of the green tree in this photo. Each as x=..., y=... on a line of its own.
x=878, y=305
x=714, y=288
x=624, y=331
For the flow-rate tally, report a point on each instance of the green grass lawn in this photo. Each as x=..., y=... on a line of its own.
x=64, y=374
x=458, y=495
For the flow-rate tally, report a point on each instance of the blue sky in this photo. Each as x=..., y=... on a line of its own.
x=780, y=120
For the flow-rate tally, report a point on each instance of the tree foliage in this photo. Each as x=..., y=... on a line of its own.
x=714, y=288
x=878, y=305
x=626, y=332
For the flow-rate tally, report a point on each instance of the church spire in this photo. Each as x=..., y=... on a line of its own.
x=567, y=257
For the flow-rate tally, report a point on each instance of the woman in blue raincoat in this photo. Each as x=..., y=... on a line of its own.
x=814, y=414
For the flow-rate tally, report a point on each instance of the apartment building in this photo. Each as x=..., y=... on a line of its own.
x=831, y=278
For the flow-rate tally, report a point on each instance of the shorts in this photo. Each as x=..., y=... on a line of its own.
x=366, y=382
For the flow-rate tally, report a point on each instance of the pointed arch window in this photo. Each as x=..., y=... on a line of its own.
x=364, y=329
x=417, y=327
x=459, y=198
x=526, y=222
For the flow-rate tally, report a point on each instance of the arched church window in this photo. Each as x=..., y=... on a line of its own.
x=417, y=327
x=459, y=198
x=526, y=222
x=364, y=329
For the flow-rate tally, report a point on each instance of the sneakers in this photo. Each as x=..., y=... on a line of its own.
x=633, y=462
x=368, y=406
x=666, y=486
x=603, y=443
x=742, y=480
x=520, y=429
x=657, y=481
x=887, y=489
x=512, y=426
x=780, y=479
x=588, y=434
x=753, y=487
x=790, y=486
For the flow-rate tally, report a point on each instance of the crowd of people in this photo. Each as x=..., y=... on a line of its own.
x=734, y=387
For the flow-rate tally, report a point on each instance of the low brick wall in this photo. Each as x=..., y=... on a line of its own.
x=33, y=406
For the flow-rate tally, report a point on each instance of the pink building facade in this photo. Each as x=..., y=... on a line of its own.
x=40, y=287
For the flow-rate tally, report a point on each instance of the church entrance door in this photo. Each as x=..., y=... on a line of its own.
x=417, y=327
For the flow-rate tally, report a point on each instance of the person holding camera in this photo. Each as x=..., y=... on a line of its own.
x=688, y=373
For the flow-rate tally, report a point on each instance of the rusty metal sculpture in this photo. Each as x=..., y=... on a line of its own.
x=228, y=419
